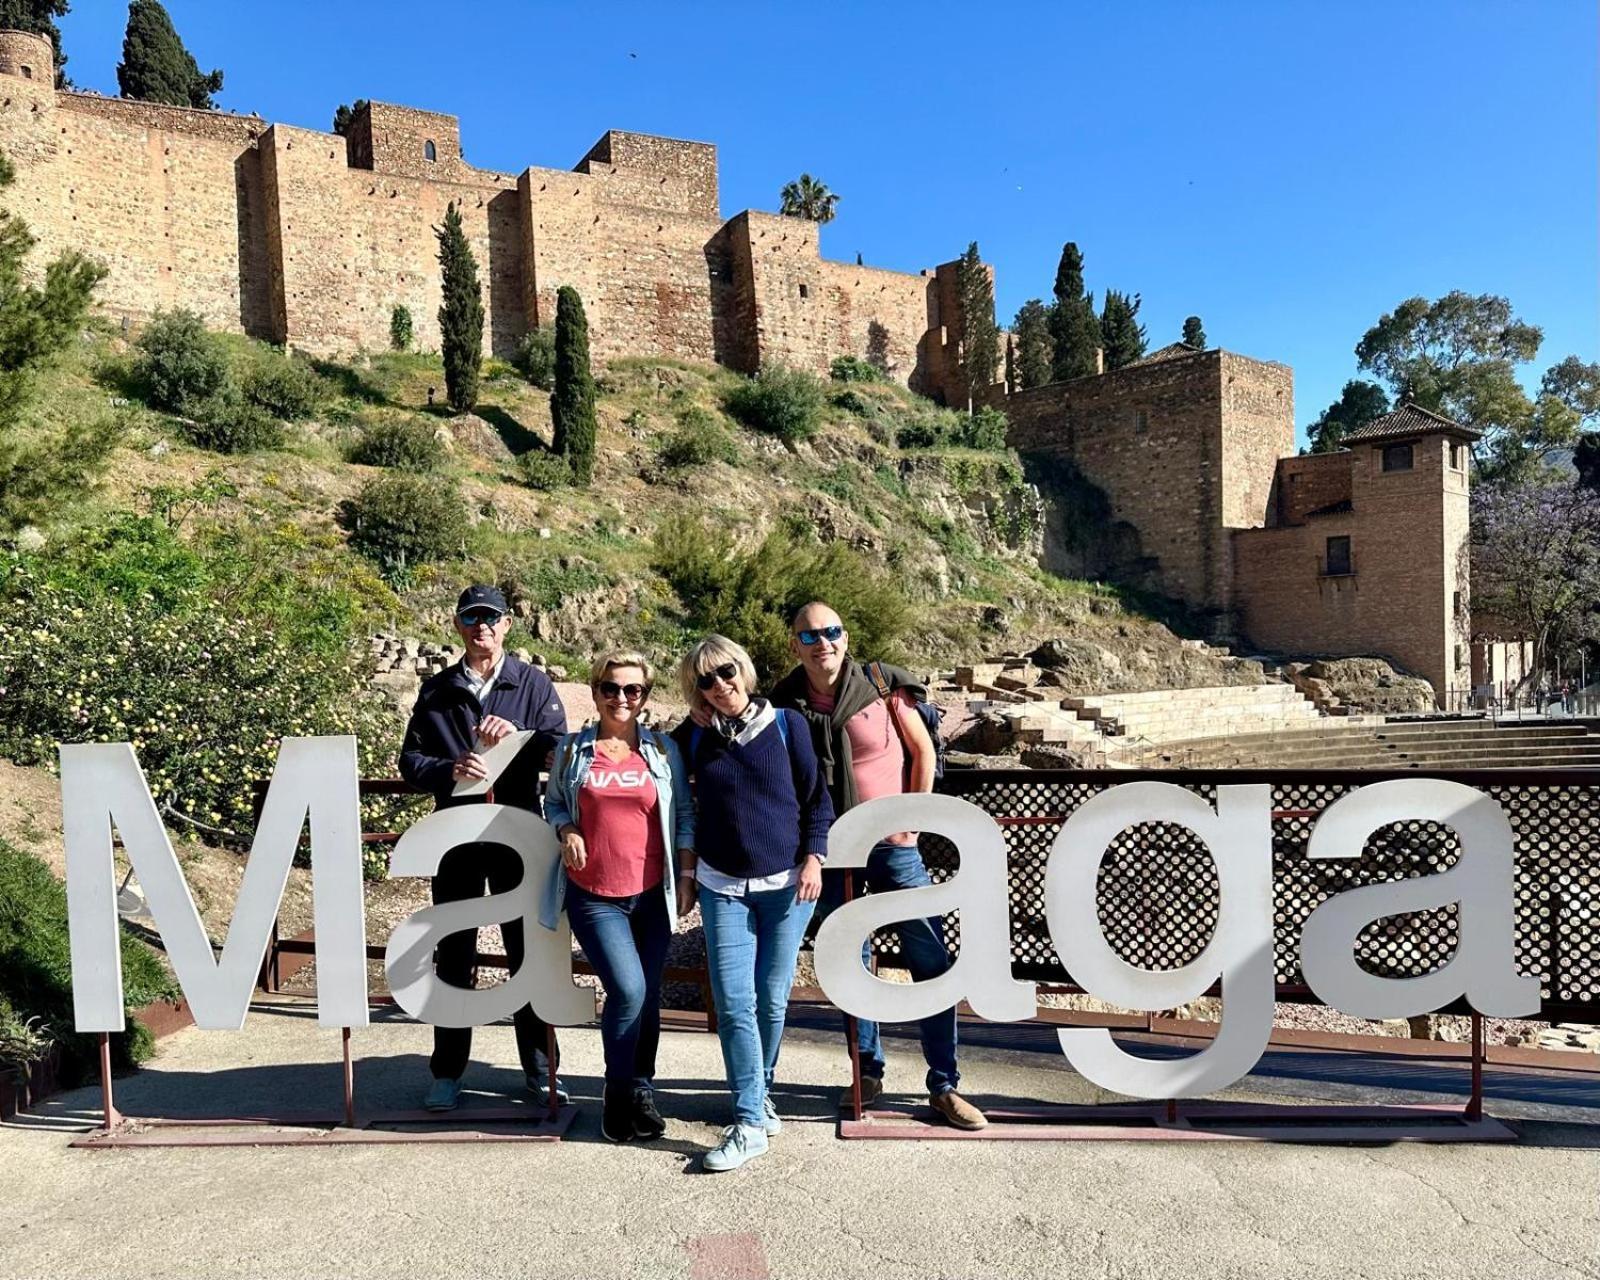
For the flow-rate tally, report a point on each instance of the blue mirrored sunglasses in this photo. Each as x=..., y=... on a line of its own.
x=830, y=634
x=480, y=617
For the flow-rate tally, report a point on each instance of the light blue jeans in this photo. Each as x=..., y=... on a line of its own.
x=751, y=944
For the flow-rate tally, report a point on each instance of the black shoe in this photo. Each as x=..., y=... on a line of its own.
x=616, y=1116
x=647, y=1122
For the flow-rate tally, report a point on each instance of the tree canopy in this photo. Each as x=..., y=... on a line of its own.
x=805, y=197
x=460, y=313
x=572, y=411
x=1194, y=332
x=980, y=337
x=1074, y=327
x=155, y=65
x=344, y=115
x=1031, y=330
x=1121, y=334
x=1358, y=404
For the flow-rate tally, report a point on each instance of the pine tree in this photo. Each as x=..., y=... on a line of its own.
x=1074, y=327
x=572, y=403
x=1358, y=404
x=1121, y=334
x=37, y=323
x=156, y=67
x=1032, y=328
x=1194, y=333
x=39, y=18
x=979, y=338
x=461, y=313
x=344, y=116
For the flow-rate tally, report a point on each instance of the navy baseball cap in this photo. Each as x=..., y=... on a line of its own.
x=479, y=596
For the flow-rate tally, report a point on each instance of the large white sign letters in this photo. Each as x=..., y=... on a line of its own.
x=316, y=781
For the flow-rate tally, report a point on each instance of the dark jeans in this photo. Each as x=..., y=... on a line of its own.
x=626, y=941
x=892, y=866
x=463, y=873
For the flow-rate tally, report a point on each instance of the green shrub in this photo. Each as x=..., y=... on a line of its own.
x=544, y=471
x=749, y=595
x=852, y=401
x=403, y=521
x=228, y=423
x=285, y=387
x=179, y=363
x=404, y=444
x=36, y=973
x=986, y=429
x=855, y=369
x=786, y=403
x=699, y=439
x=535, y=357
x=23, y=1041
x=400, y=328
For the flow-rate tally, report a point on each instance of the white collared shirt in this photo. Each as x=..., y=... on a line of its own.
x=480, y=685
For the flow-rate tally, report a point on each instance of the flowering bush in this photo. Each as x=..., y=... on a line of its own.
x=204, y=698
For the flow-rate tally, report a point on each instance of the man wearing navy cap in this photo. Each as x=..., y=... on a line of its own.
x=461, y=711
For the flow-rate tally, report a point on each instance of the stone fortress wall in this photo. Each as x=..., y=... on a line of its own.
x=310, y=239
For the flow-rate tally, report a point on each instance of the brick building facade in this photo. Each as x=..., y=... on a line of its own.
x=311, y=239
x=1359, y=552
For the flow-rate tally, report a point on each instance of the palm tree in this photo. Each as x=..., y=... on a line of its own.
x=808, y=198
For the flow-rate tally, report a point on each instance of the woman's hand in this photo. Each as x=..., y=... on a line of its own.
x=810, y=879
x=687, y=889
x=573, y=851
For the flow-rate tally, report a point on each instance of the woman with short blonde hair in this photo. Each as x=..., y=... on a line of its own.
x=762, y=818
x=619, y=800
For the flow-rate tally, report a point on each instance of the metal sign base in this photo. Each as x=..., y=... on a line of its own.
x=1193, y=1122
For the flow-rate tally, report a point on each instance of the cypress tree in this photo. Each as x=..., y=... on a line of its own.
x=572, y=403
x=1074, y=327
x=1032, y=329
x=344, y=116
x=156, y=67
x=460, y=315
x=1121, y=334
x=1194, y=333
x=38, y=17
x=980, y=337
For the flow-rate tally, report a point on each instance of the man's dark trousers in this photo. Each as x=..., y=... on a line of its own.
x=464, y=872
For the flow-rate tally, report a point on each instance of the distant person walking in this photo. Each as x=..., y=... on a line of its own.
x=872, y=745
x=460, y=713
x=619, y=800
x=762, y=823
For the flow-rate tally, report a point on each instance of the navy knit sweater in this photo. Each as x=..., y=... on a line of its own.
x=760, y=806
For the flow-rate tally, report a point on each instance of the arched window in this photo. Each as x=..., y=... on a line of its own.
x=27, y=71
x=429, y=151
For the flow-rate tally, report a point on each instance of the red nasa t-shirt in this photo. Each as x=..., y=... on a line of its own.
x=621, y=828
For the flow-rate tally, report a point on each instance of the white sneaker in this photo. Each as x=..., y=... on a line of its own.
x=740, y=1142
x=772, y=1120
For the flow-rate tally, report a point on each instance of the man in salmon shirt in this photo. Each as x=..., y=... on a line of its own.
x=864, y=754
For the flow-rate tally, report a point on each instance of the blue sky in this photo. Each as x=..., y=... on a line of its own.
x=1288, y=171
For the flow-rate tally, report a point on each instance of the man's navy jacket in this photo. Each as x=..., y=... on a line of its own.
x=447, y=714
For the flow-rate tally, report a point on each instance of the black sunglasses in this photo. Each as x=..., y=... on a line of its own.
x=810, y=637
x=480, y=617
x=724, y=673
x=632, y=692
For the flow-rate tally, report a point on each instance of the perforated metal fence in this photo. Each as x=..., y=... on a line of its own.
x=1158, y=891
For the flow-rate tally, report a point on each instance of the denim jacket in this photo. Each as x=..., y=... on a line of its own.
x=568, y=772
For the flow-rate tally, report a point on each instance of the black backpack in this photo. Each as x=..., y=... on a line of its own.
x=930, y=714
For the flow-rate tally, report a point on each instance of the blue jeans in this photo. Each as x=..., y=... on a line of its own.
x=893, y=866
x=626, y=940
x=751, y=944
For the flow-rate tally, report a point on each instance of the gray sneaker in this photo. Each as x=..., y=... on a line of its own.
x=772, y=1120
x=740, y=1142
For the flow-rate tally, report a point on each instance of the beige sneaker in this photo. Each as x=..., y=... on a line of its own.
x=871, y=1091
x=957, y=1111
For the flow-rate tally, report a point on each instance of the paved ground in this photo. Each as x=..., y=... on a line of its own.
x=814, y=1206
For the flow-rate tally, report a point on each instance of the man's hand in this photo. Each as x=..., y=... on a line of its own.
x=494, y=729
x=573, y=850
x=469, y=764
x=810, y=879
x=701, y=714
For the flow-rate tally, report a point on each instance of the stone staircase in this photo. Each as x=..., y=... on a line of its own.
x=1349, y=743
x=1173, y=715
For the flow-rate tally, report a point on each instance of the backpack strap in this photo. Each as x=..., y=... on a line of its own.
x=886, y=692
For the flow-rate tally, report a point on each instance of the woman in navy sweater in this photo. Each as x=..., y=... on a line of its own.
x=762, y=833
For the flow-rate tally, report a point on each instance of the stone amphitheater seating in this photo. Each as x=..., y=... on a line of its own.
x=1415, y=744
x=1172, y=715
